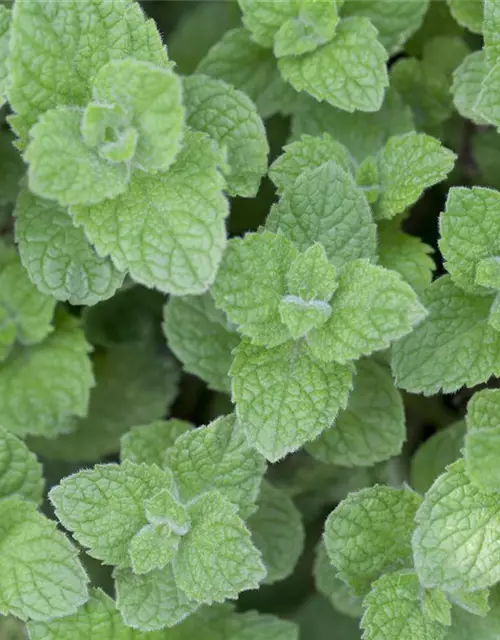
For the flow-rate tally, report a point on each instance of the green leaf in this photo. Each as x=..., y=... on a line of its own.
x=372, y=428
x=264, y=19
x=369, y=533
x=363, y=134
x=251, y=282
x=239, y=61
x=309, y=152
x=151, y=601
x=5, y=20
x=317, y=618
x=230, y=118
x=76, y=40
x=201, y=337
x=406, y=254
x=394, y=611
x=148, y=443
x=12, y=168
x=336, y=73
x=487, y=104
x=217, y=458
x=371, y=308
x=153, y=547
x=134, y=385
x=467, y=81
x=104, y=507
x=468, y=13
x=435, y=454
x=455, y=544
x=58, y=256
x=25, y=313
x=41, y=576
x=325, y=205
x=408, y=165
x=313, y=26
x=436, y=606
x=453, y=347
x=20, y=472
x=177, y=242
x=482, y=440
x=165, y=509
x=150, y=99
x=469, y=227
x=284, y=397
x=491, y=29
x=475, y=602
x=63, y=168
x=96, y=620
x=216, y=558
x=467, y=625
x=278, y=532
x=328, y=584
x=395, y=22
x=44, y=387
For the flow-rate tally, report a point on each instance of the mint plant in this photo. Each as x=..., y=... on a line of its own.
x=249, y=320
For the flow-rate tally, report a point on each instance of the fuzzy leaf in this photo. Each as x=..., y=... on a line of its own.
x=455, y=544
x=394, y=611
x=284, y=397
x=491, y=29
x=148, y=443
x=153, y=547
x=372, y=428
x=482, y=440
x=41, y=576
x=278, y=532
x=487, y=104
x=337, y=74
x=313, y=26
x=164, y=508
x=264, y=19
x=217, y=458
x=57, y=255
x=453, y=347
x=216, y=558
x=201, y=337
x=369, y=533
x=230, y=118
x=324, y=205
x=467, y=81
x=20, y=472
x=177, y=242
x=371, y=308
x=328, y=584
x=5, y=21
x=104, y=507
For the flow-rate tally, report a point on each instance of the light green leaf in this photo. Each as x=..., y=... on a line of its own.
x=469, y=227
x=96, y=620
x=406, y=254
x=135, y=384
x=251, y=282
x=63, y=168
x=394, y=21
x=482, y=440
x=332, y=587
x=164, y=508
x=239, y=61
x=148, y=443
x=408, y=165
x=284, y=397
x=453, y=347
x=369, y=533
x=216, y=558
x=25, y=313
x=483, y=410
x=263, y=19
x=468, y=625
x=487, y=104
x=468, y=13
x=230, y=118
x=363, y=134
x=436, y=606
x=455, y=544
x=44, y=387
x=5, y=20
x=151, y=601
x=367, y=179
x=313, y=26
x=311, y=277
x=57, y=255
x=372, y=428
x=153, y=547
x=371, y=308
x=177, y=242
x=467, y=81
x=277, y=531
x=201, y=337
x=104, y=507
x=20, y=472
x=475, y=602
x=41, y=576
x=308, y=152
x=394, y=611
x=324, y=205
x=150, y=98
x=435, y=454
x=217, y=458
x=491, y=30
x=301, y=316
x=336, y=73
